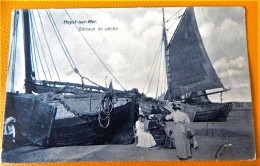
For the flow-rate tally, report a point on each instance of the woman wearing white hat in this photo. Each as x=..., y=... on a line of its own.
x=182, y=143
x=9, y=127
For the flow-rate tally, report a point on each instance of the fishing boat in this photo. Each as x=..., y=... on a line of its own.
x=189, y=72
x=56, y=113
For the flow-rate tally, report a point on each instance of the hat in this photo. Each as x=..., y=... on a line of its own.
x=152, y=116
x=176, y=106
x=168, y=106
x=8, y=120
x=171, y=106
x=141, y=116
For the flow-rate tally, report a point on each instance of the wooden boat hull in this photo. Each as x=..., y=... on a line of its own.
x=40, y=127
x=75, y=131
x=210, y=112
x=213, y=112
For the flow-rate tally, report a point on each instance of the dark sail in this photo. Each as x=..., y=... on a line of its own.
x=189, y=68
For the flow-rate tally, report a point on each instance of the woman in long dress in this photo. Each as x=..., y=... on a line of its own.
x=182, y=142
x=145, y=139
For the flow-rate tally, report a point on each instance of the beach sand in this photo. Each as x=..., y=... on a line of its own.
x=237, y=132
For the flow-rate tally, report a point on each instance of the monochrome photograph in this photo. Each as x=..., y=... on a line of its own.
x=128, y=84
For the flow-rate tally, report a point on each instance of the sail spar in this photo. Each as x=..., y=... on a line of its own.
x=189, y=68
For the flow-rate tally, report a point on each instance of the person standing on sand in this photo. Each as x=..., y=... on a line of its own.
x=145, y=139
x=182, y=143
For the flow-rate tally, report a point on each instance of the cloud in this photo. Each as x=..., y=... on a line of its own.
x=230, y=73
x=221, y=65
x=242, y=85
x=142, y=23
x=207, y=29
x=117, y=62
x=231, y=68
x=239, y=63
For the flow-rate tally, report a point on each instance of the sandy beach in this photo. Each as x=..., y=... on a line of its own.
x=241, y=149
x=237, y=132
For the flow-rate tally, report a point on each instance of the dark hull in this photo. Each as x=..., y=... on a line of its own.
x=213, y=112
x=46, y=131
x=210, y=112
x=75, y=131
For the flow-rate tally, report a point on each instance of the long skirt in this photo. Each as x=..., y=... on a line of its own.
x=145, y=140
x=182, y=143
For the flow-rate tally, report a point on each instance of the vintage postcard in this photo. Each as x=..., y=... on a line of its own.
x=148, y=84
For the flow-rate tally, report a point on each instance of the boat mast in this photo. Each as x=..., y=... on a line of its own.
x=27, y=52
x=166, y=54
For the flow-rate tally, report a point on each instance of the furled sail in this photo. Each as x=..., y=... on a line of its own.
x=189, y=68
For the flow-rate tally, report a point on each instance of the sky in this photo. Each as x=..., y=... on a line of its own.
x=130, y=43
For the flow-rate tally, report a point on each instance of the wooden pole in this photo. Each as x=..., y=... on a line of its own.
x=221, y=91
x=27, y=52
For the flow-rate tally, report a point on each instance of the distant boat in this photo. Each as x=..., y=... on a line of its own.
x=190, y=73
x=55, y=113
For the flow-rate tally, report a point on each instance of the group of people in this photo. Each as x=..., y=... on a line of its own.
x=180, y=131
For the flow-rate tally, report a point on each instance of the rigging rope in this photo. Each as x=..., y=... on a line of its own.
x=48, y=45
x=159, y=73
x=33, y=59
x=152, y=65
x=174, y=22
x=12, y=44
x=153, y=71
x=96, y=53
x=39, y=39
x=65, y=50
x=14, y=60
x=14, y=53
x=33, y=56
x=163, y=76
x=174, y=15
x=11, y=55
x=67, y=54
x=82, y=80
x=33, y=53
x=37, y=54
x=35, y=44
x=13, y=49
